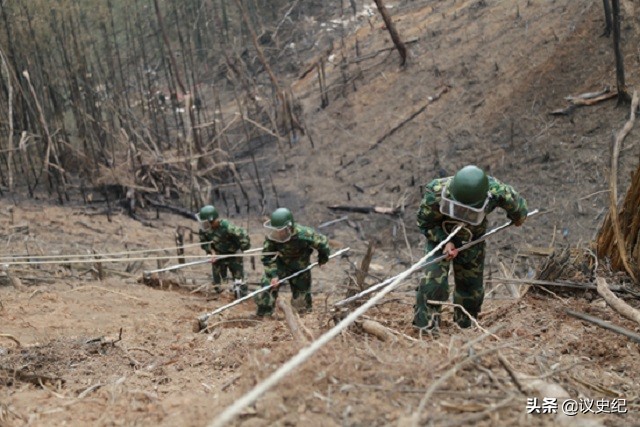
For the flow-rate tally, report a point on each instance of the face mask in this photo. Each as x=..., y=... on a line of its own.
x=460, y=212
x=204, y=225
x=280, y=235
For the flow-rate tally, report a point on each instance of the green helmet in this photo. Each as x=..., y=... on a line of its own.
x=208, y=213
x=281, y=217
x=469, y=186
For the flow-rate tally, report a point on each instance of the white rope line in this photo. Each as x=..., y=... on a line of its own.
x=97, y=260
x=15, y=257
x=250, y=397
x=111, y=254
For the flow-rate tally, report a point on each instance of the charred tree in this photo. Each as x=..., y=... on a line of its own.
x=607, y=18
x=623, y=94
x=397, y=41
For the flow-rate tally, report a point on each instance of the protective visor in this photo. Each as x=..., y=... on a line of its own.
x=280, y=235
x=460, y=212
x=204, y=225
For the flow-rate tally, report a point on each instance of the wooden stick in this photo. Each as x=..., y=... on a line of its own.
x=604, y=324
x=393, y=130
x=376, y=329
x=514, y=377
x=560, y=284
x=292, y=322
x=616, y=303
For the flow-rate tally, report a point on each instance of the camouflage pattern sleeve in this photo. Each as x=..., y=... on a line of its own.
x=429, y=216
x=205, y=240
x=315, y=240
x=321, y=244
x=241, y=235
x=269, y=261
x=508, y=199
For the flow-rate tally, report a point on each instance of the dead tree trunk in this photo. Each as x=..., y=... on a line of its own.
x=399, y=44
x=607, y=18
x=619, y=237
x=623, y=94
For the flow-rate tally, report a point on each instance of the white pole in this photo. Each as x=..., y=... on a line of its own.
x=482, y=238
x=233, y=410
x=202, y=320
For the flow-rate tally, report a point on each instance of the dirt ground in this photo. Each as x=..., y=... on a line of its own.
x=80, y=350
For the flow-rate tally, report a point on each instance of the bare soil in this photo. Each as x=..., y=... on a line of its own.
x=118, y=352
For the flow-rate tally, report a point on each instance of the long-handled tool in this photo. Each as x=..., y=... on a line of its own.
x=249, y=252
x=202, y=320
x=482, y=238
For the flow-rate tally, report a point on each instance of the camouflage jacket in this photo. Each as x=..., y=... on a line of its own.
x=226, y=239
x=295, y=252
x=436, y=226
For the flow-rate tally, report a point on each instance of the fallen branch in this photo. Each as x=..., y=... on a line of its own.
x=560, y=284
x=513, y=374
x=292, y=322
x=412, y=116
x=585, y=99
x=374, y=328
x=616, y=303
x=394, y=129
x=604, y=324
x=175, y=209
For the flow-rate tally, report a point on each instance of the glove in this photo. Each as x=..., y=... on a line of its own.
x=322, y=260
x=519, y=221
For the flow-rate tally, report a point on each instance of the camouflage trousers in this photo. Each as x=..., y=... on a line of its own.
x=219, y=270
x=301, y=300
x=468, y=268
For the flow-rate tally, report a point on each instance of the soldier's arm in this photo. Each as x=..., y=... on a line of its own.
x=321, y=244
x=205, y=241
x=430, y=218
x=269, y=261
x=509, y=200
x=245, y=241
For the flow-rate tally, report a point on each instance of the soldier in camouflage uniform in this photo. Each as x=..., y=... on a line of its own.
x=294, y=244
x=224, y=238
x=464, y=199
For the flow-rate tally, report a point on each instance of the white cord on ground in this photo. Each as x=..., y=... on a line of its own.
x=250, y=397
x=97, y=259
x=112, y=254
